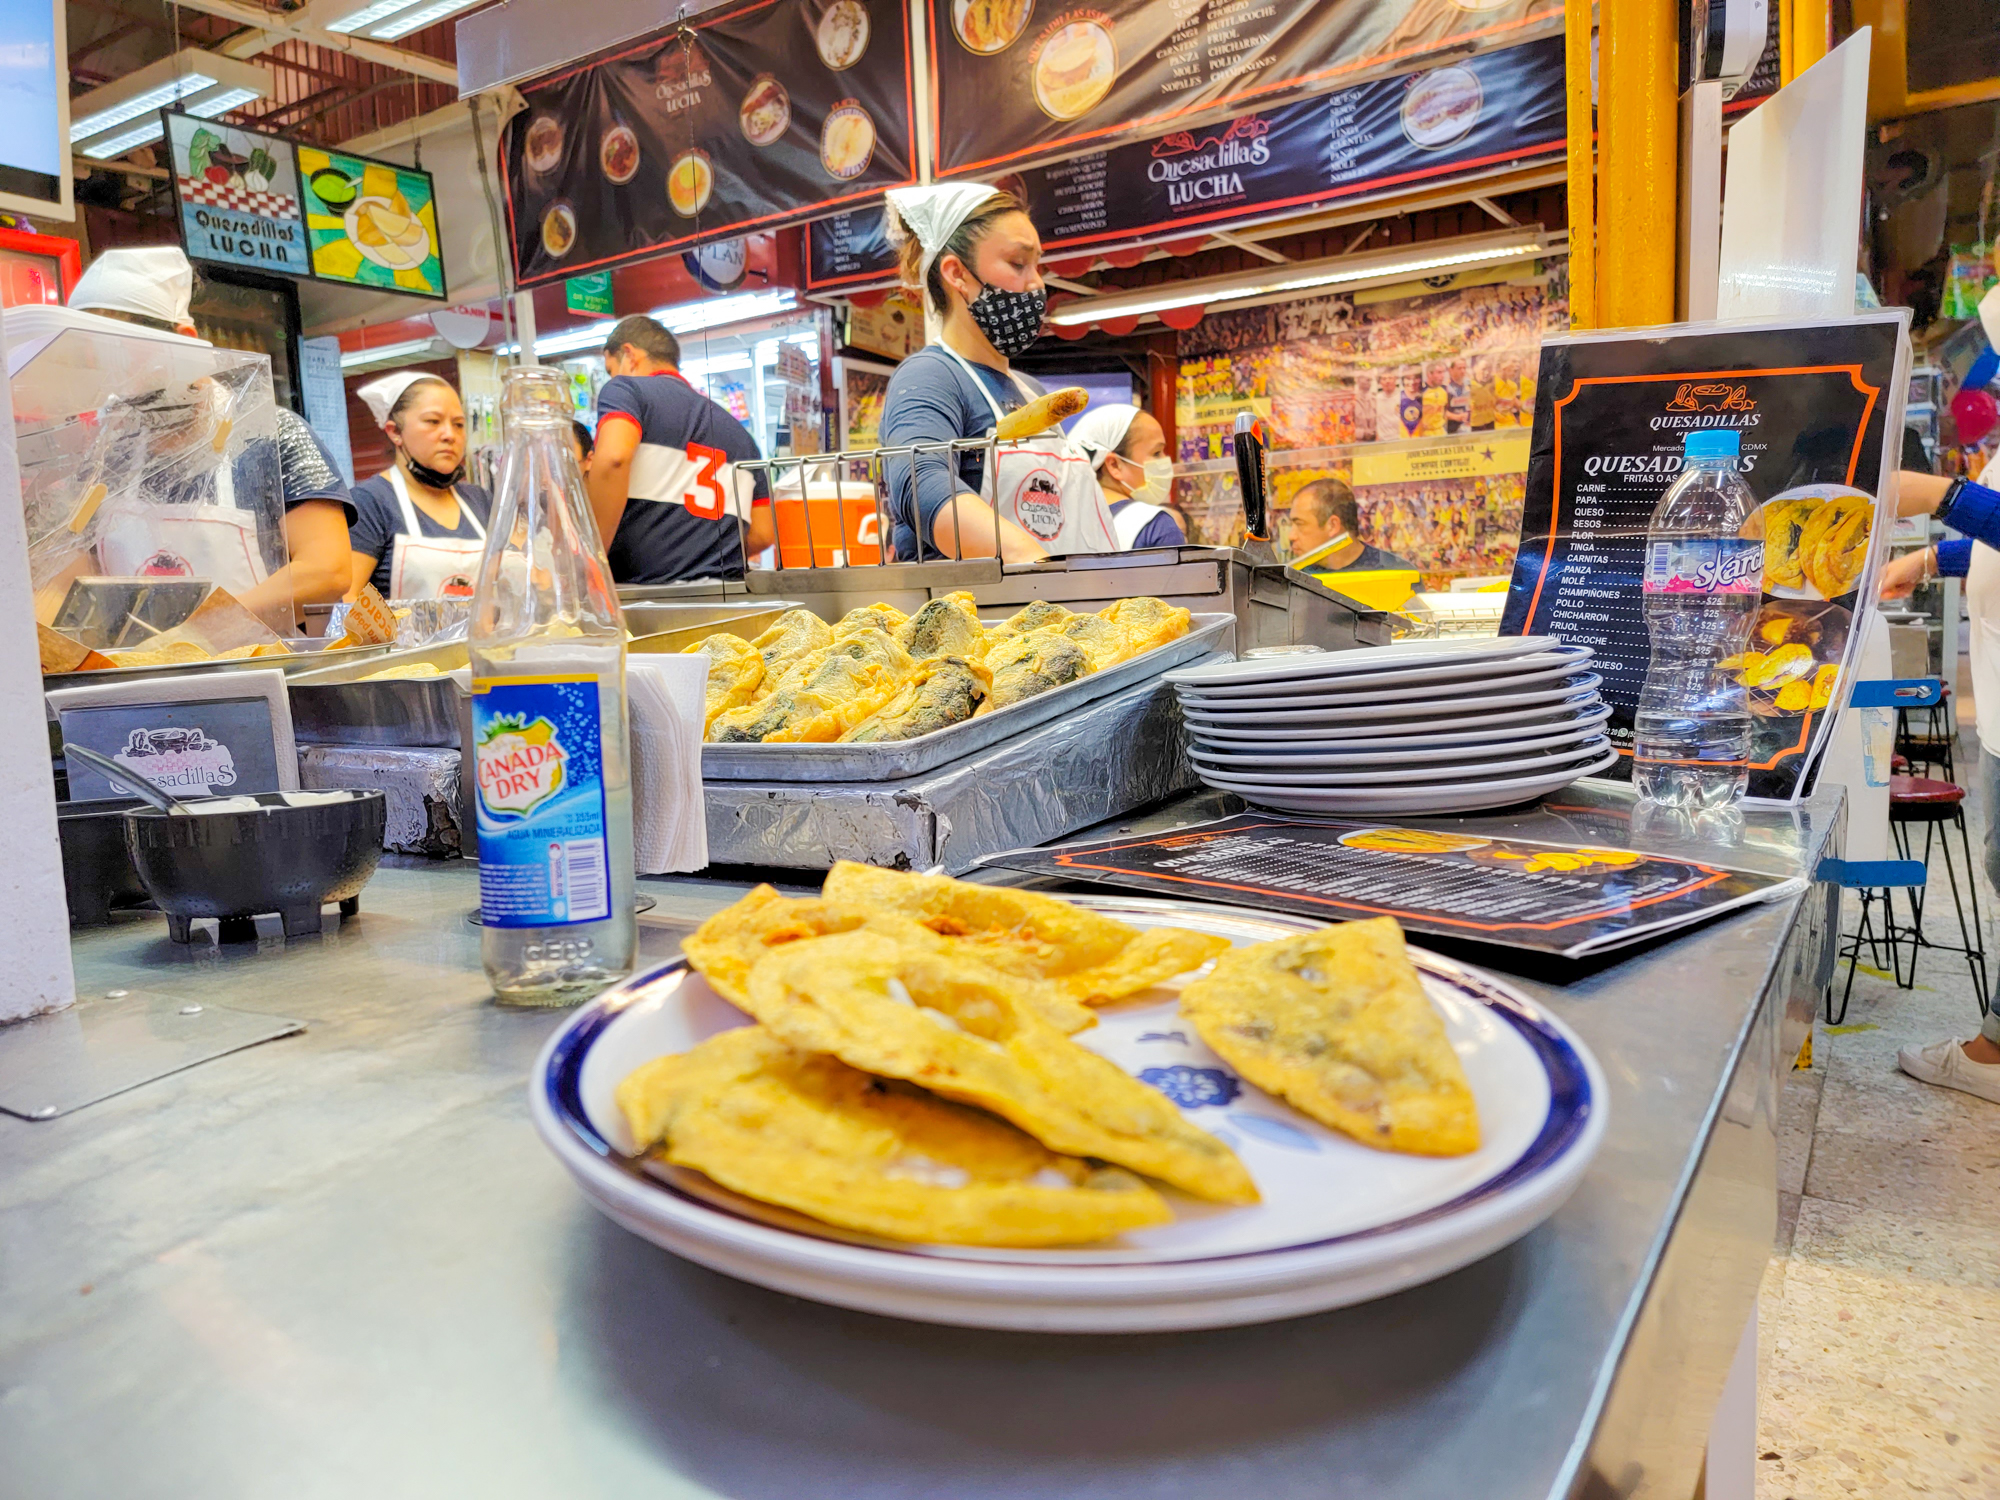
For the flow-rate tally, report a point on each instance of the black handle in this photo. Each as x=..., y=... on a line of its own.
x=1252, y=474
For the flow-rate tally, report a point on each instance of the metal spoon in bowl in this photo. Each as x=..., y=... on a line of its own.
x=120, y=775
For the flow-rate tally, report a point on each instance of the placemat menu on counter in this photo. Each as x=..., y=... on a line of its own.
x=1566, y=899
x=1810, y=404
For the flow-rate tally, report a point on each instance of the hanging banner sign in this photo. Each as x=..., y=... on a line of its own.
x=1811, y=405
x=239, y=196
x=760, y=116
x=1474, y=115
x=1014, y=81
x=373, y=223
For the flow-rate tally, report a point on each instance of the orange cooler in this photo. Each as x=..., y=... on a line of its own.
x=844, y=526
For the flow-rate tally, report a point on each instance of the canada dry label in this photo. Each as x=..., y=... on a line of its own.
x=544, y=860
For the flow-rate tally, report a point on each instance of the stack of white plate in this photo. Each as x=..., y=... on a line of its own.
x=1420, y=727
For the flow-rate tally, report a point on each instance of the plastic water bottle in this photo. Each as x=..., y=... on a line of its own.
x=1703, y=583
x=550, y=739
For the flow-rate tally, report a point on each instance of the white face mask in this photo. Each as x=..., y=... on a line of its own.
x=1159, y=481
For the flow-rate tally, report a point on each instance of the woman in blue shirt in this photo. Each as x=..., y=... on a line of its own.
x=418, y=531
x=975, y=253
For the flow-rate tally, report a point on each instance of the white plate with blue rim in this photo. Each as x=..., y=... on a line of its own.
x=1339, y=1222
x=1397, y=708
x=1410, y=727
x=1536, y=666
x=1365, y=691
x=1339, y=754
x=1407, y=770
x=1473, y=794
x=1365, y=659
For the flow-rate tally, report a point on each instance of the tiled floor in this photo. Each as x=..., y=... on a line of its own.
x=1880, y=1315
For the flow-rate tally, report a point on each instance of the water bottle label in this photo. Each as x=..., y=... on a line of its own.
x=544, y=860
x=1722, y=565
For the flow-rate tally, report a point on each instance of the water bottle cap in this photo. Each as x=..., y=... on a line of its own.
x=1712, y=442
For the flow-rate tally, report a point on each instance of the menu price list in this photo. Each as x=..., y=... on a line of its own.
x=1565, y=899
x=1016, y=81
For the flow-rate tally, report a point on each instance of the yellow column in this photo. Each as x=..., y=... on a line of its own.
x=1638, y=176
x=1810, y=24
x=1582, y=167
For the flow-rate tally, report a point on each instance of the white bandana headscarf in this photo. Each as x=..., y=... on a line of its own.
x=933, y=214
x=1100, y=430
x=379, y=396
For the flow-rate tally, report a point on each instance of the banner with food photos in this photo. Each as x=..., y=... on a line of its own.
x=1021, y=81
x=1814, y=407
x=1475, y=114
x=745, y=118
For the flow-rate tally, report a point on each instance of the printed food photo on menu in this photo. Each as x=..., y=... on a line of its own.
x=988, y=26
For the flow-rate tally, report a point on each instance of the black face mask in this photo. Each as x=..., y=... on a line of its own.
x=1011, y=321
x=431, y=478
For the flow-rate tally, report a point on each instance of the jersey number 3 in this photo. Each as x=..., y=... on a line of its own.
x=707, y=499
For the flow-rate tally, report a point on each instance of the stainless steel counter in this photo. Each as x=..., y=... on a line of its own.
x=340, y=1264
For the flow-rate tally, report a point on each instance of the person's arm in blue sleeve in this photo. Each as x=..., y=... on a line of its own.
x=1970, y=509
x=923, y=405
x=927, y=404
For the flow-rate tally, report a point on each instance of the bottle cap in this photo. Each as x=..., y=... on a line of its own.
x=1712, y=442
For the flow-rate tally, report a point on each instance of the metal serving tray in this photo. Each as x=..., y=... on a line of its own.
x=902, y=758
x=303, y=658
x=332, y=707
x=658, y=627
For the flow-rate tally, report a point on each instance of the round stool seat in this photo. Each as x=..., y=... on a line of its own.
x=1920, y=799
x=1899, y=764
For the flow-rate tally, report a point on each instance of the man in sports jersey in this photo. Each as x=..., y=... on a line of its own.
x=663, y=482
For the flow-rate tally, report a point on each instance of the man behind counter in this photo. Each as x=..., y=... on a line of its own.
x=1325, y=532
x=668, y=501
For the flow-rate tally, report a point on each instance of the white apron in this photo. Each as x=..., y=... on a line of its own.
x=1132, y=520
x=216, y=541
x=1046, y=485
x=432, y=567
x=1982, y=605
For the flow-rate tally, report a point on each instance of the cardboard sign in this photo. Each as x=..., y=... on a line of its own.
x=1813, y=405
x=196, y=749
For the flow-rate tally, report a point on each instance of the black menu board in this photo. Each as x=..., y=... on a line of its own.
x=1811, y=405
x=1471, y=115
x=1016, y=81
x=751, y=118
x=1553, y=898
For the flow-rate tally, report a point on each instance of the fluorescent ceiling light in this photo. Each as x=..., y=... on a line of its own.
x=170, y=80
x=368, y=15
x=719, y=365
x=220, y=104
x=417, y=20
x=684, y=317
x=140, y=104
x=1341, y=273
x=114, y=146
x=692, y=317
x=389, y=353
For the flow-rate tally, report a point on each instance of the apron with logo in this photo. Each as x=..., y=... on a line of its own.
x=1045, y=485
x=214, y=540
x=432, y=567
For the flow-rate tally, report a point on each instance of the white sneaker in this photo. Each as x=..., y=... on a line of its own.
x=1946, y=1065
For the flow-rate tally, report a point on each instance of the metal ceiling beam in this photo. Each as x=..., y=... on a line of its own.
x=274, y=24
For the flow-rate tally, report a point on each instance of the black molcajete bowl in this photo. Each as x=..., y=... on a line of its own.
x=97, y=870
x=288, y=860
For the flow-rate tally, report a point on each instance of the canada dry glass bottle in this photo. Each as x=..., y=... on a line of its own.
x=550, y=738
